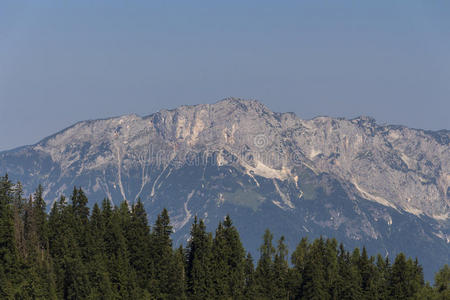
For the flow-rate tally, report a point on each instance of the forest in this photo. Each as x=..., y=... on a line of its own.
x=111, y=252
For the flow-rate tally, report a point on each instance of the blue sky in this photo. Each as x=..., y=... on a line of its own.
x=66, y=61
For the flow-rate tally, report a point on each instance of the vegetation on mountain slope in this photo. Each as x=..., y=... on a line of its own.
x=111, y=252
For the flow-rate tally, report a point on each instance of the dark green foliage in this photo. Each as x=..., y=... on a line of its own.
x=264, y=275
x=122, y=275
x=406, y=278
x=249, y=291
x=177, y=278
x=281, y=270
x=99, y=277
x=139, y=246
x=10, y=278
x=40, y=217
x=167, y=265
x=314, y=276
x=348, y=284
x=298, y=260
x=442, y=282
x=228, y=261
x=110, y=252
x=199, y=263
x=382, y=277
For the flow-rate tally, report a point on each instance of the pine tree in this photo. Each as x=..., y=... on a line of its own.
x=40, y=281
x=19, y=211
x=314, y=279
x=68, y=250
x=249, y=278
x=123, y=277
x=281, y=270
x=367, y=273
x=9, y=260
x=40, y=217
x=57, y=241
x=199, y=259
x=398, y=285
x=80, y=215
x=176, y=278
x=331, y=268
x=96, y=259
x=442, y=282
x=264, y=275
x=228, y=261
x=417, y=281
x=428, y=293
x=139, y=243
x=163, y=258
x=298, y=260
x=406, y=279
x=348, y=285
x=220, y=265
x=235, y=258
x=382, y=278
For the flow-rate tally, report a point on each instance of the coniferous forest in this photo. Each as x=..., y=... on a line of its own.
x=110, y=252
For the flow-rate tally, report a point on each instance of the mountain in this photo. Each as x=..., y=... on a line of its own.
x=386, y=187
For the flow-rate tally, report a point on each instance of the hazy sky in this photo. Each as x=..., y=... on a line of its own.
x=63, y=61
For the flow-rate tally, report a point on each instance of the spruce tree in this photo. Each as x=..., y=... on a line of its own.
x=367, y=273
x=428, y=293
x=221, y=270
x=9, y=260
x=139, y=246
x=406, y=278
x=177, y=279
x=281, y=270
x=298, y=260
x=264, y=275
x=97, y=269
x=199, y=259
x=80, y=220
x=348, y=285
x=249, y=278
x=442, y=282
x=57, y=241
x=69, y=237
x=163, y=258
x=40, y=217
x=123, y=277
x=416, y=276
x=382, y=278
x=19, y=211
x=40, y=281
x=331, y=268
x=228, y=261
x=314, y=278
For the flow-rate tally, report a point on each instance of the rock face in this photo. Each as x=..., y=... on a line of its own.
x=386, y=187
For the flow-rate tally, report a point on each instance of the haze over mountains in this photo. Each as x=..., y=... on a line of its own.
x=386, y=187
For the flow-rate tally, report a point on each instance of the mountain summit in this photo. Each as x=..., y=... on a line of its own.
x=383, y=186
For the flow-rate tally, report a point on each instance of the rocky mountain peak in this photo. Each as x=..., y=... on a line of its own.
x=324, y=175
x=364, y=121
x=239, y=103
x=356, y=151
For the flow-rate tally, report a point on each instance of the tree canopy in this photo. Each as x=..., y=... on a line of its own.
x=111, y=252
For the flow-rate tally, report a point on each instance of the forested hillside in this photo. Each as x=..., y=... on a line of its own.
x=111, y=252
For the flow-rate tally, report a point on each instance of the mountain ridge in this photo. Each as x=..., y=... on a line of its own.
x=367, y=123
x=444, y=132
x=333, y=176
